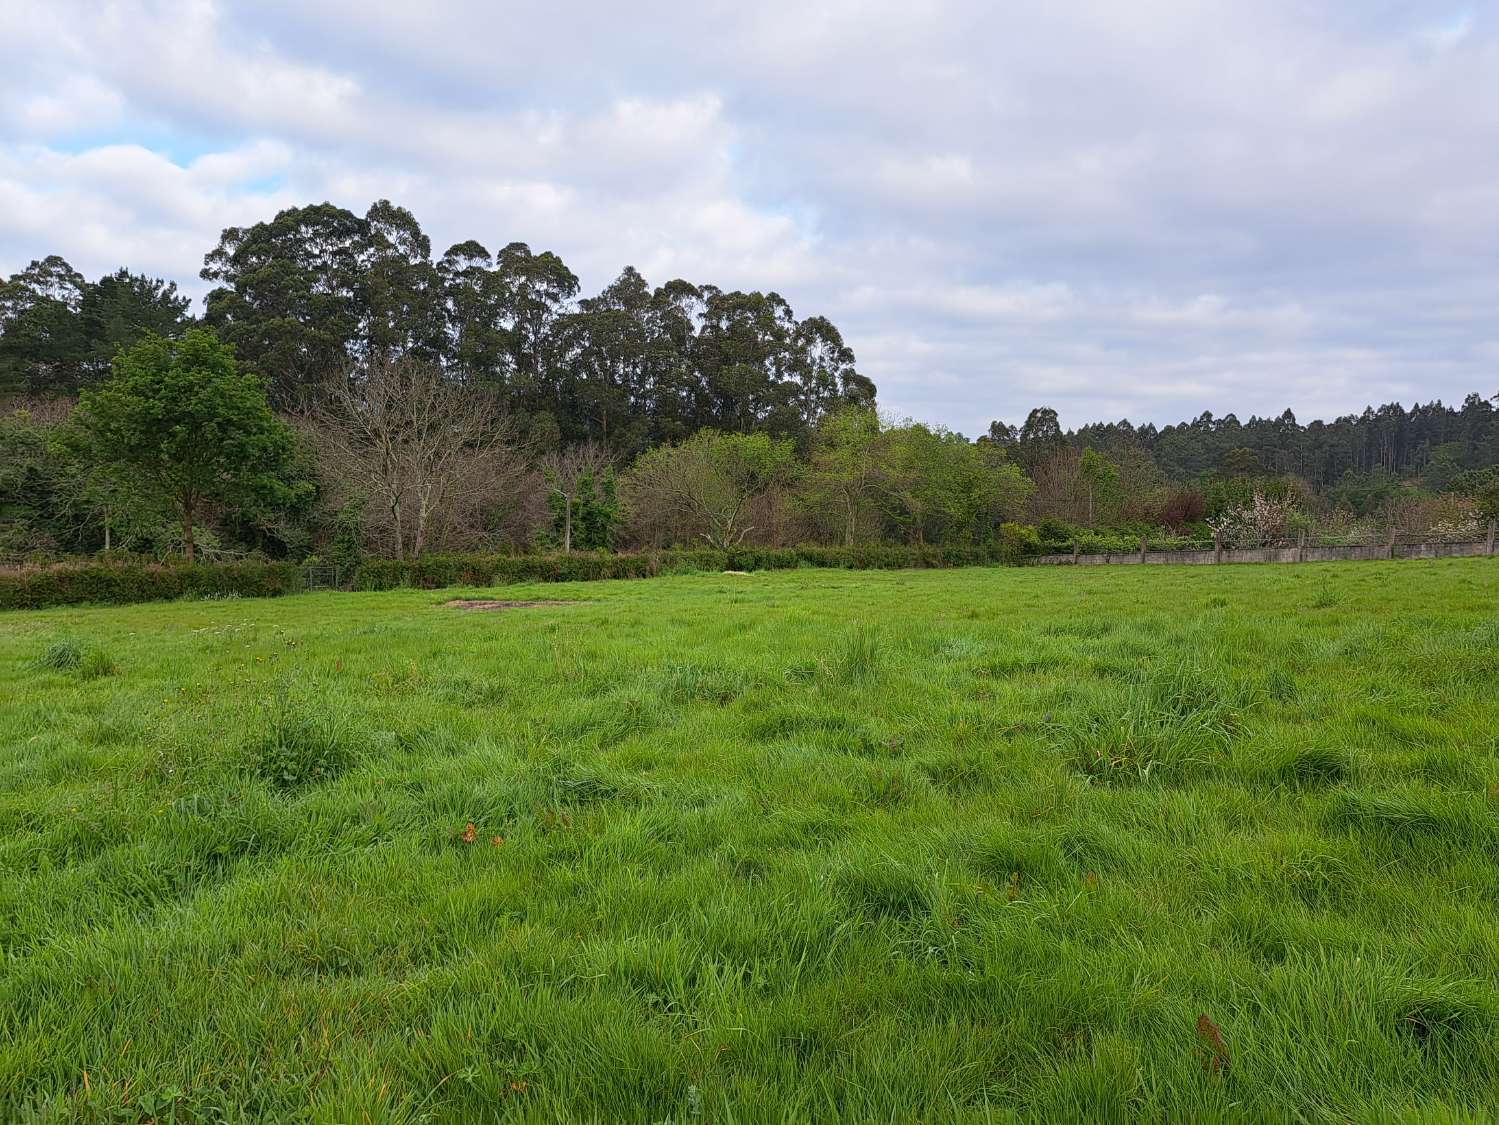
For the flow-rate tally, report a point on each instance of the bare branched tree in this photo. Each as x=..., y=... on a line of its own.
x=566, y=470
x=425, y=450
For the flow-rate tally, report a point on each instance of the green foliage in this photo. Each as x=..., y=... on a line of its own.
x=1483, y=486
x=1366, y=494
x=188, y=428
x=595, y=512
x=435, y=571
x=58, y=333
x=347, y=549
x=118, y=584
x=1018, y=542
x=704, y=487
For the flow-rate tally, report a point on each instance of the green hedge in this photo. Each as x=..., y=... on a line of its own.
x=434, y=571
x=120, y=583
x=115, y=584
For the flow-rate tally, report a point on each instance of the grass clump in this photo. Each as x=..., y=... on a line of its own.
x=63, y=655
x=68, y=654
x=1308, y=767
x=300, y=743
x=857, y=660
x=1172, y=721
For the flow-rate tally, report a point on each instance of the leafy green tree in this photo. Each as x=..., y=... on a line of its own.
x=43, y=347
x=122, y=307
x=940, y=487
x=704, y=487
x=842, y=485
x=188, y=428
x=1483, y=486
x=573, y=480
x=1242, y=462
x=596, y=515
x=1100, y=477
x=291, y=297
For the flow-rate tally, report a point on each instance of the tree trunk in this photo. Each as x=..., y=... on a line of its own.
x=187, y=529
x=397, y=529
x=419, y=543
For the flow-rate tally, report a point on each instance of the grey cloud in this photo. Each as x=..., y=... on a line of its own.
x=1144, y=210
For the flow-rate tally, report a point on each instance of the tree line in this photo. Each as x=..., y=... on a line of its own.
x=345, y=391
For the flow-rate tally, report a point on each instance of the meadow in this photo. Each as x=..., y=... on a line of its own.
x=1136, y=843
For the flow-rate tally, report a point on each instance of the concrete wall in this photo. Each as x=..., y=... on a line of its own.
x=1276, y=555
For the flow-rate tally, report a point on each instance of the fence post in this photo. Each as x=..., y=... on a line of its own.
x=1074, y=551
x=1301, y=545
x=1390, y=550
x=1217, y=546
x=1142, y=548
x=1493, y=524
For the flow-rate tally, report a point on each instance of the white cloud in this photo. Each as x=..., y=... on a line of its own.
x=1149, y=209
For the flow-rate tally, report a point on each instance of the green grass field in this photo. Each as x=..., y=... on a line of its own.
x=815, y=845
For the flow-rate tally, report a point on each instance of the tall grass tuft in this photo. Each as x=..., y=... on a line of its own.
x=858, y=658
x=300, y=743
x=68, y=654
x=1172, y=722
x=63, y=655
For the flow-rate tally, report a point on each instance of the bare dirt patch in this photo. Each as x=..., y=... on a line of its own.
x=462, y=603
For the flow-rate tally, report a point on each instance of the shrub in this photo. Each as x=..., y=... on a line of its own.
x=1018, y=542
x=120, y=584
x=435, y=571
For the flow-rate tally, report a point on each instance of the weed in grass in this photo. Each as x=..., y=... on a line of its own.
x=886, y=888
x=1328, y=595
x=96, y=664
x=68, y=654
x=1280, y=685
x=1416, y=817
x=300, y=743
x=689, y=682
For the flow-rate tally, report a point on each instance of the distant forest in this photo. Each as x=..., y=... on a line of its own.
x=636, y=404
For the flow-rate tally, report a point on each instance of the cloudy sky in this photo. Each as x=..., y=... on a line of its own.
x=1143, y=210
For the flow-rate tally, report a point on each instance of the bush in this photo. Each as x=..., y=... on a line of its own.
x=121, y=583
x=1018, y=542
x=435, y=571
x=116, y=584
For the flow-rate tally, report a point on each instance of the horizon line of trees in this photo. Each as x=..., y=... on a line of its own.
x=357, y=394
